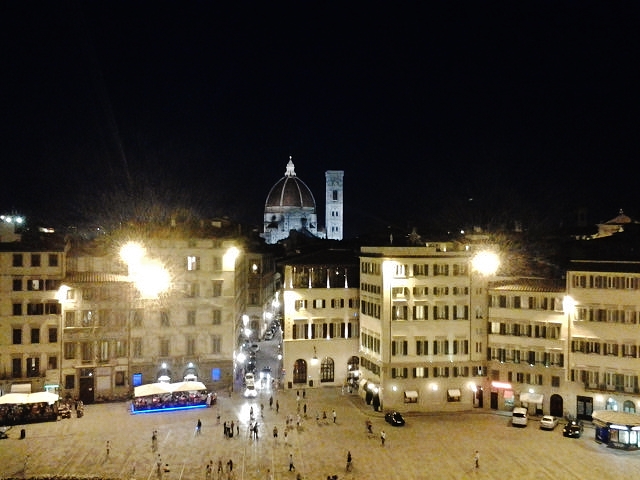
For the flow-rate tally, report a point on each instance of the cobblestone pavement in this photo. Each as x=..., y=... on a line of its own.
x=427, y=447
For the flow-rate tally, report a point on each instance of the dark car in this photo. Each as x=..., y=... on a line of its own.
x=394, y=418
x=573, y=429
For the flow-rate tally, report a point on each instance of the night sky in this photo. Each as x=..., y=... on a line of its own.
x=438, y=112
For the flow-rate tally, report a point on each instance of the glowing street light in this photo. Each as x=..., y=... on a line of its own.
x=485, y=263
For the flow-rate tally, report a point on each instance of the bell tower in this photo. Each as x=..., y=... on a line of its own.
x=334, y=204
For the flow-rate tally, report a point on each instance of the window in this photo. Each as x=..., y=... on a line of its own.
x=35, y=309
x=217, y=316
x=53, y=259
x=422, y=347
x=69, y=382
x=327, y=370
x=33, y=367
x=16, y=367
x=17, y=309
x=300, y=304
x=120, y=348
x=69, y=350
x=399, y=347
x=103, y=351
x=555, y=381
x=136, y=349
x=216, y=288
x=52, y=362
x=17, y=336
x=17, y=284
x=86, y=351
x=164, y=318
x=319, y=303
x=192, y=290
x=191, y=318
x=35, y=259
x=191, y=346
x=216, y=344
x=70, y=318
x=119, y=378
x=193, y=263
x=164, y=347
x=17, y=260
x=53, y=334
x=399, y=372
x=137, y=318
x=35, y=335
x=420, y=372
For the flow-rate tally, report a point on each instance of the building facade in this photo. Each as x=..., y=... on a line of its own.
x=31, y=273
x=423, y=328
x=321, y=324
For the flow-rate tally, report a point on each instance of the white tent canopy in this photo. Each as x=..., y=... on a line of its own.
x=162, y=388
x=22, y=398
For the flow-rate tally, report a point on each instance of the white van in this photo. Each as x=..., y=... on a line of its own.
x=519, y=417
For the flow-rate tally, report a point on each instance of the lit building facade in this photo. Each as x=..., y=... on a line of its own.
x=604, y=320
x=31, y=273
x=423, y=328
x=320, y=319
x=527, y=346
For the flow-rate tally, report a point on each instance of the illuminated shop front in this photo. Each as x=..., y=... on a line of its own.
x=617, y=429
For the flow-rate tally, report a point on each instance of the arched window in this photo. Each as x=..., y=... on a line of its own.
x=629, y=406
x=300, y=371
x=327, y=370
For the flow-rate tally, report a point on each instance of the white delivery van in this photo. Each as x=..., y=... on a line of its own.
x=519, y=417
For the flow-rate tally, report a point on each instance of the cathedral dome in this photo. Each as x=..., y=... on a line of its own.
x=290, y=192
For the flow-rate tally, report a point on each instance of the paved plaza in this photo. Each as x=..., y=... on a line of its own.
x=427, y=447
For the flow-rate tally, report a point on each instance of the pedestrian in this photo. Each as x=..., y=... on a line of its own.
x=349, y=461
x=218, y=418
x=238, y=430
x=108, y=447
x=230, y=465
x=304, y=393
x=198, y=427
x=207, y=474
x=277, y=406
x=286, y=437
x=262, y=410
x=275, y=432
x=334, y=415
x=383, y=437
x=271, y=402
x=304, y=410
x=232, y=429
x=292, y=467
x=476, y=458
x=159, y=466
x=154, y=441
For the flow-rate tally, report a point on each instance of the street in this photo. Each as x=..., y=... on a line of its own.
x=428, y=446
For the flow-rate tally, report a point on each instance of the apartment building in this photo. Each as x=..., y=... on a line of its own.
x=604, y=317
x=31, y=272
x=528, y=343
x=423, y=327
x=321, y=324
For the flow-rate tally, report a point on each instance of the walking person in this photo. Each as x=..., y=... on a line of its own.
x=198, y=427
x=154, y=441
x=277, y=406
x=292, y=467
x=349, y=465
x=108, y=447
x=476, y=458
x=334, y=415
x=383, y=437
x=271, y=402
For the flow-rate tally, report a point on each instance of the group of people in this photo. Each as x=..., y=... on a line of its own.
x=219, y=469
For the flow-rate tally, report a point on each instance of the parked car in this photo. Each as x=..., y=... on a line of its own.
x=519, y=417
x=573, y=429
x=394, y=418
x=548, y=422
